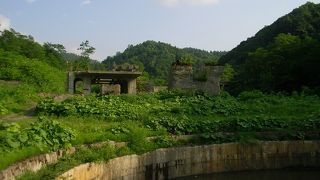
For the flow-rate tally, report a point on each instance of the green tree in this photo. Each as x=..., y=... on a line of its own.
x=228, y=73
x=24, y=45
x=54, y=55
x=86, y=49
x=84, y=62
x=287, y=64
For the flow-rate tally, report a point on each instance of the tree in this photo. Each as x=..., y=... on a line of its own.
x=228, y=73
x=54, y=54
x=287, y=64
x=86, y=49
x=13, y=41
x=84, y=62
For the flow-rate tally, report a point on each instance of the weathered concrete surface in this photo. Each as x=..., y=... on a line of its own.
x=32, y=164
x=159, y=88
x=110, y=89
x=186, y=161
x=126, y=79
x=132, y=86
x=36, y=163
x=181, y=77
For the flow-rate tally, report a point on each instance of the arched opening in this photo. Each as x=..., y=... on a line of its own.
x=123, y=87
x=78, y=86
x=96, y=88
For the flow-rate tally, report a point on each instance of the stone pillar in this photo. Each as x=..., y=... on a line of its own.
x=213, y=83
x=132, y=86
x=86, y=86
x=70, y=82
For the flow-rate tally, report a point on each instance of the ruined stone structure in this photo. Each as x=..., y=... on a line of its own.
x=110, y=89
x=181, y=77
x=185, y=161
x=152, y=88
x=126, y=80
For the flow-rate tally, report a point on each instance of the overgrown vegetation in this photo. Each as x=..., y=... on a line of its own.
x=15, y=97
x=44, y=134
x=273, y=61
x=194, y=113
x=33, y=72
x=216, y=119
x=282, y=56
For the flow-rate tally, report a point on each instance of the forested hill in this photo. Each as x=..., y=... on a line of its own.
x=303, y=21
x=156, y=57
x=281, y=57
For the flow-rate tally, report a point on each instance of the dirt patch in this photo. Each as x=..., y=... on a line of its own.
x=15, y=117
x=10, y=82
x=56, y=97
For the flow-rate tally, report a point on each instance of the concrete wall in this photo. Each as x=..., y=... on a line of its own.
x=71, y=77
x=32, y=164
x=132, y=86
x=36, y=163
x=181, y=77
x=186, y=161
x=110, y=89
x=159, y=88
x=128, y=82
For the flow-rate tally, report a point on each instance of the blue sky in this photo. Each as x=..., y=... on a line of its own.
x=111, y=25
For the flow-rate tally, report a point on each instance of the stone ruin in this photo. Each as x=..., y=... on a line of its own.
x=111, y=81
x=125, y=67
x=181, y=77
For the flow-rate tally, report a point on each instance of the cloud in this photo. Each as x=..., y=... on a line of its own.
x=4, y=23
x=173, y=3
x=30, y=1
x=86, y=2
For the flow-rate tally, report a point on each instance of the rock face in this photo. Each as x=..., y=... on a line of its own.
x=181, y=77
x=186, y=161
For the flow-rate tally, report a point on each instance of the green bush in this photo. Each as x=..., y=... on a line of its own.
x=3, y=110
x=226, y=104
x=44, y=134
x=31, y=71
x=15, y=97
x=110, y=107
x=179, y=112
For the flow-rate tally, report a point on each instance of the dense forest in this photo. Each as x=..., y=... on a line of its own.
x=155, y=58
x=281, y=57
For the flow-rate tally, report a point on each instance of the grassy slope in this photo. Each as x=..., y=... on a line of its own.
x=175, y=113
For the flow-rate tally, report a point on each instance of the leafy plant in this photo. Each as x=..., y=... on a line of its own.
x=44, y=134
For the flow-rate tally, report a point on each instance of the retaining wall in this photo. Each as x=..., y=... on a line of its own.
x=186, y=161
x=32, y=164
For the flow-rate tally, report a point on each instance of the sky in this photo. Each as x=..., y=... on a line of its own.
x=112, y=25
